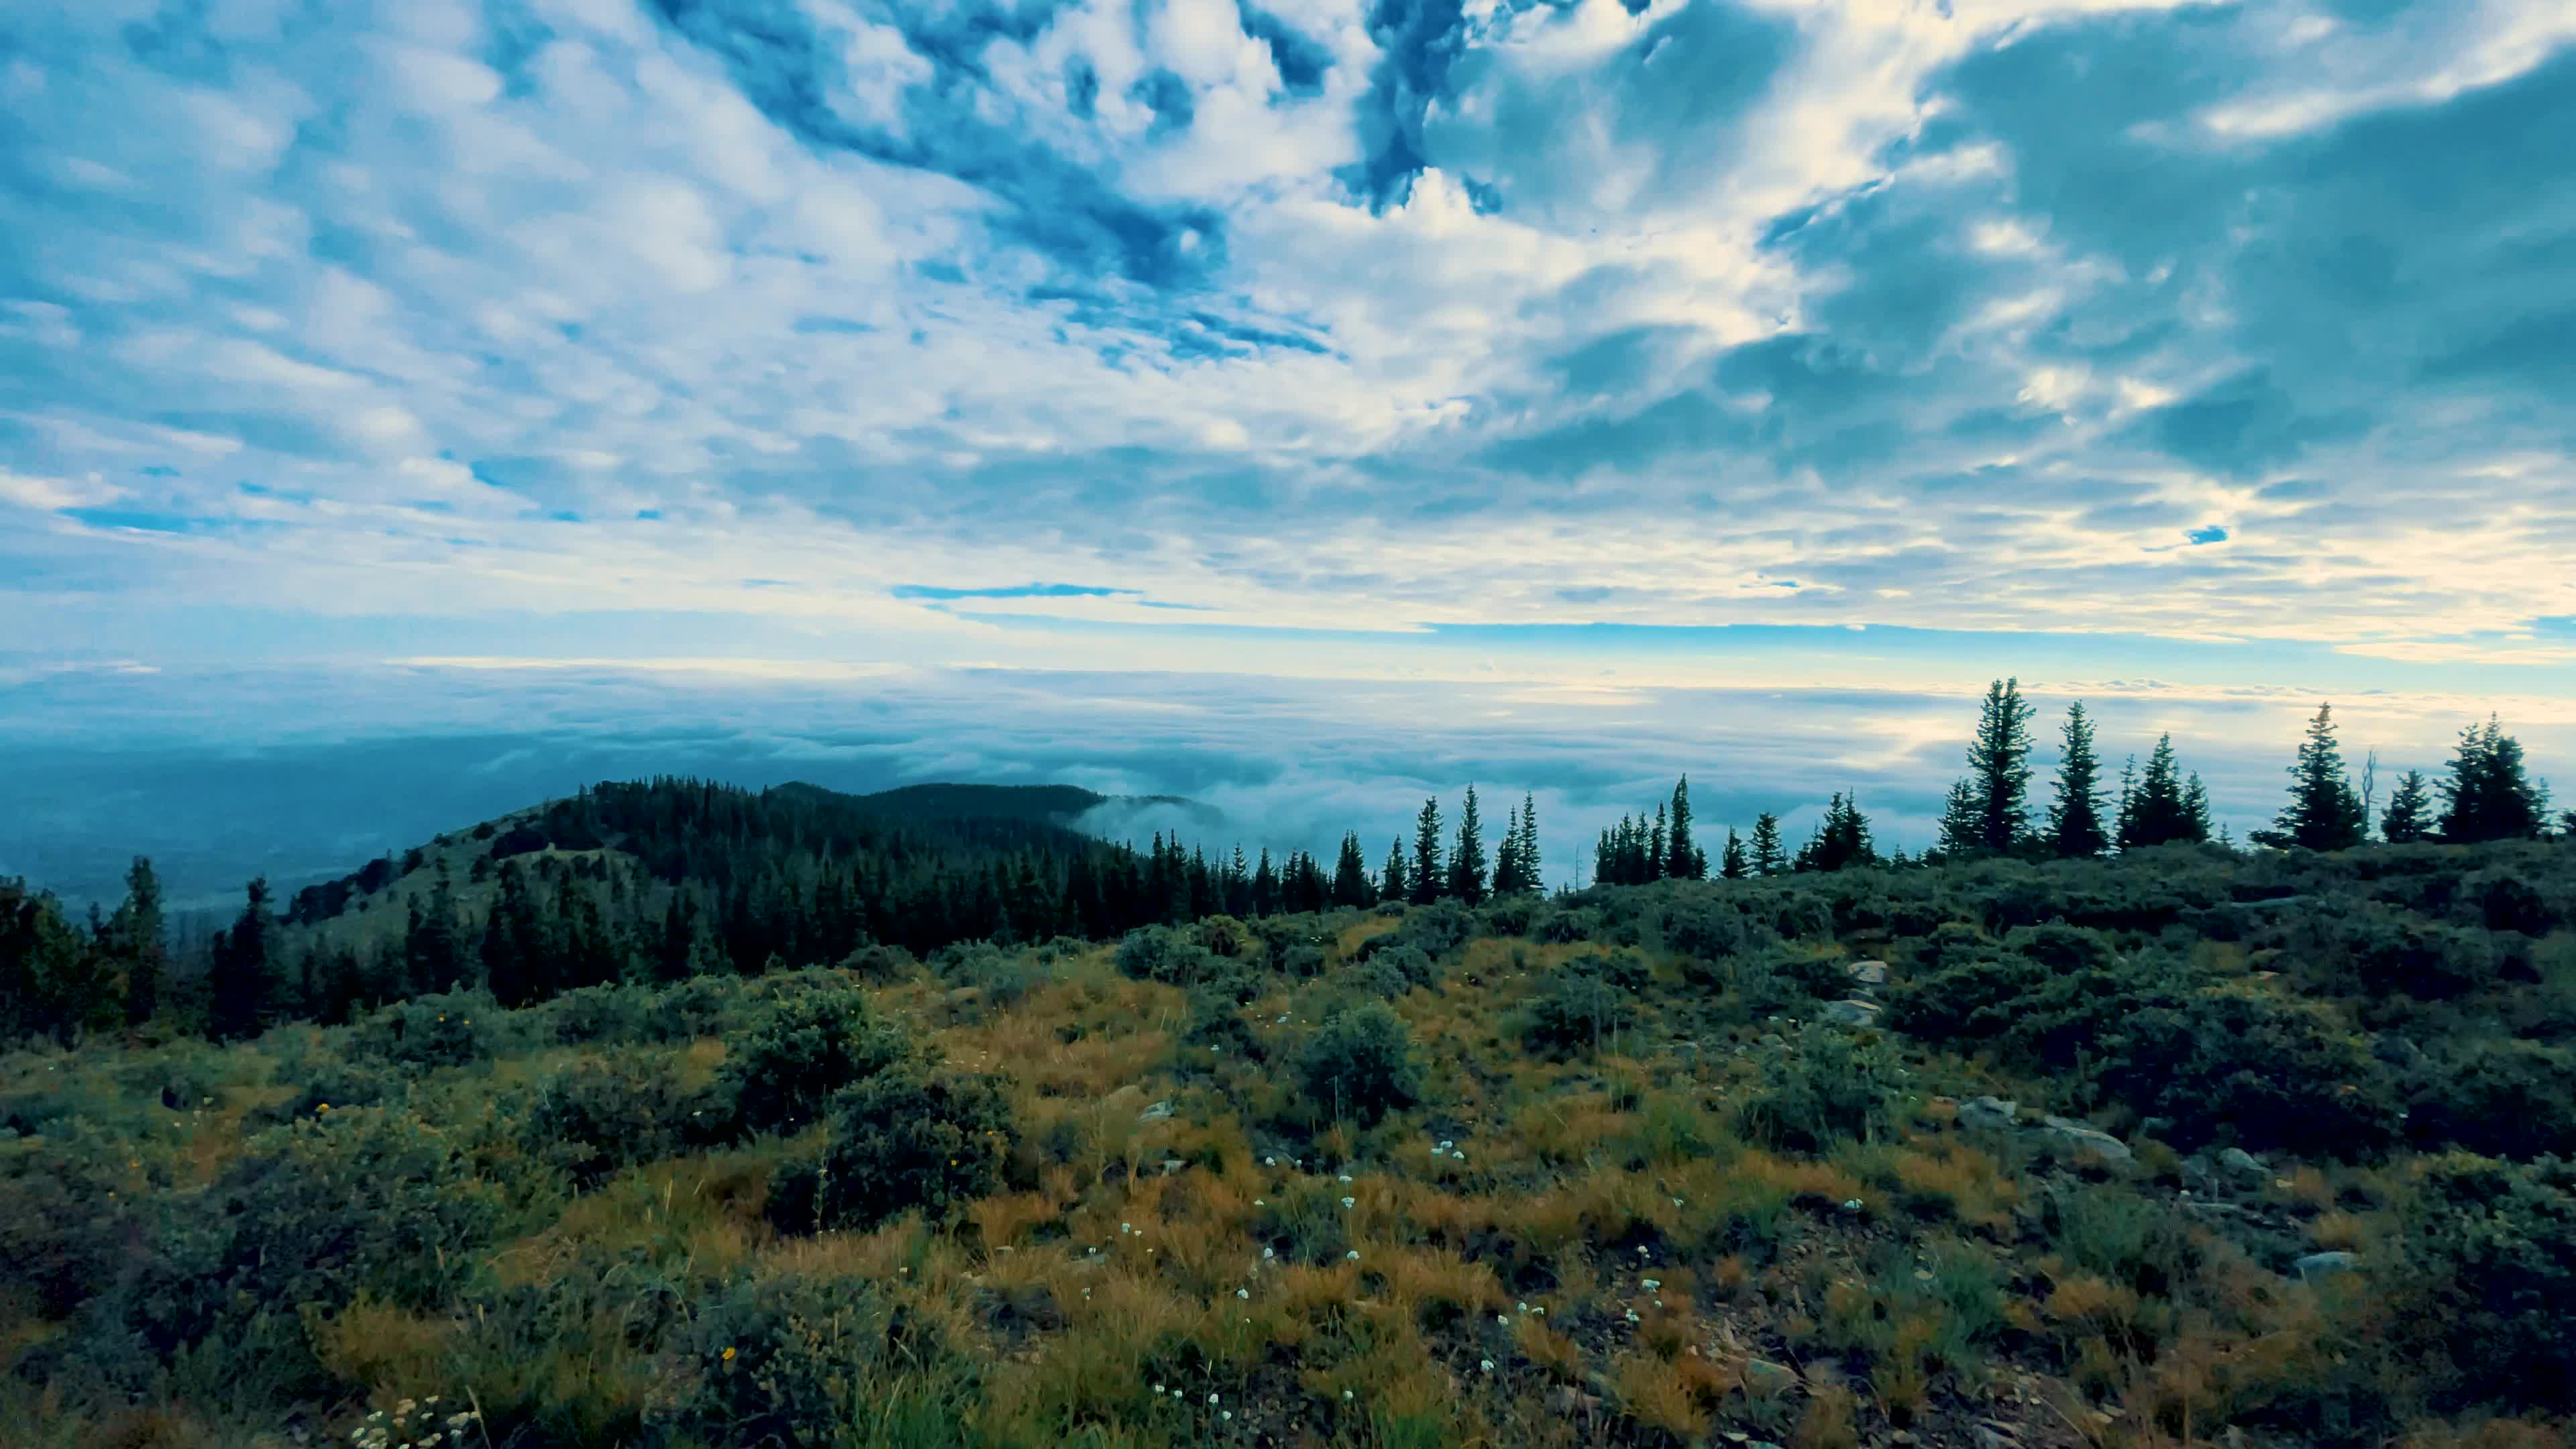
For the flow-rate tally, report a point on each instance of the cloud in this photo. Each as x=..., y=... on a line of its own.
x=1299, y=337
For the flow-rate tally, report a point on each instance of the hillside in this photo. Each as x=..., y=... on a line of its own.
x=2189, y=1147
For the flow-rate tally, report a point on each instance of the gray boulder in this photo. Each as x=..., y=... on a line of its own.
x=2325, y=1265
x=2244, y=1164
x=1868, y=973
x=2076, y=1134
x=1852, y=1012
x=1989, y=1112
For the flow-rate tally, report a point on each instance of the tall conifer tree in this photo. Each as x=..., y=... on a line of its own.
x=1999, y=766
x=1467, y=865
x=1428, y=875
x=1768, y=857
x=2410, y=811
x=2489, y=796
x=2075, y=816
x=1391, y=882
x=1731, y=865
x=1682, y=860
x=2324, y=812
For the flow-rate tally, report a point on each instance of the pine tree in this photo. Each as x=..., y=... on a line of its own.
x=2195, y=810
x=2410, y=811
x=2489, y=796
x=1682, y=860
x=2324, y=813
x=1731, y=865
x=2157, y=808
x=2075, y=816
x=1467, y=866
x=1650, y=862
x=1265, y=886
x=1507, y=860
x=1768, y=857
x=1842, y=839
x=1391, y=885
x=435, y=950
x=1427, y=876
x=1999, y=766
x=243, y=979
x=1530, y=863
x=1963, y=821
x=1350, y=875
x=142, y=941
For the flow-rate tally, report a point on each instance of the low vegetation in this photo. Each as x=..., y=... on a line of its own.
x=2188, y=1147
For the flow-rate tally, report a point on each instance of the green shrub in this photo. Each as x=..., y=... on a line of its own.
x=798, y=1359
x=803, y=1049
x=2513, y=1099
x=1436, y=930
x=1361, y=1063
x=1158, y=953
x=2492, y=1251
x=1217, y=1020
x=1582, y=1003
x=1824, y=1088
x=2062, y=947
x=432, y=1031
x=331, y=1082
x=1379, y=976
x=1705, y=928
x=1005, y=977
x=1566, y=925
x=1802, y=917
x=1508, y=916
x=602, y=1114
x=901, y=1140
x=880, y=963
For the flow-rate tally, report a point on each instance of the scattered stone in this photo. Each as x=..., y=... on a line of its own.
x=1160, y=1111
x=1570, y=1400
x=1995, y=1112
x=2076, y=1134
x=2326, y=1265
x=1868, y=973
x=1762, y=1376
x=1852, y=1012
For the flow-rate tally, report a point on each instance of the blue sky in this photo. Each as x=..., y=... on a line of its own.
x=562, y=368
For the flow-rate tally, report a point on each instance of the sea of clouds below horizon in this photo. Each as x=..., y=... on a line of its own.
x=301, y=774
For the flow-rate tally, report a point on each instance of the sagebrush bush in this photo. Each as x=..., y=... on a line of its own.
x=803, y=1359
x=1566, y=925
x=2513, y=1099
x=1582, y=1004
x=1361, y=1064
x=601, y=1114
x=900, y=1141
x=2491, y=1249
x=1706, y=928
x=1823, y=1088
x=432, y=1031
x=804, y=1048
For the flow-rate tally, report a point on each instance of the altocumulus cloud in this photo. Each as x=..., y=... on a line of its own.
x=844, y=328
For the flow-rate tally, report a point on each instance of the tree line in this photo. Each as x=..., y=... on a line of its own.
x=665, y=879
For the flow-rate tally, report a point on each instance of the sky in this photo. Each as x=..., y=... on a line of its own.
x=407, y=406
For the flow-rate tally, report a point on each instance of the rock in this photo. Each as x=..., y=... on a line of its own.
x=2243, y=1163
x=1172, y=1165
x=1156, y=1113
x=2076, y=1134
x=1868, y=973
x=1852, y=1012
x=1993, y=1112
x=1762, y=1376
x=2325, y=1265
x=1570, y=1400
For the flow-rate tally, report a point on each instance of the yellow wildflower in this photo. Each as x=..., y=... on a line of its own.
x=728, y=1353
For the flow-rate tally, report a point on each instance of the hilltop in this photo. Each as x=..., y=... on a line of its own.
x=2187, y=1147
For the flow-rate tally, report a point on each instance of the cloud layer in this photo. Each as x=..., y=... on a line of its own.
x=2179, y=320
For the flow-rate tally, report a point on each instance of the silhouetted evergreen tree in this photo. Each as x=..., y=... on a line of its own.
x=1467, y=865
x=2075, y=816
x=1768, y=858
x=1731, y=865
x=141, y=941
x=2324, y=812
x=1350, y=876
x=1392, y=882
x=2488, y=795
x=1963, y=821
x=245, y=978
x=1998, y=783
x=1842, y=839
x=1682, y=860
x=2410, y=811
x=1531, y=865
x=2158, y=808
x=1427, y=877
x=1507, y=860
